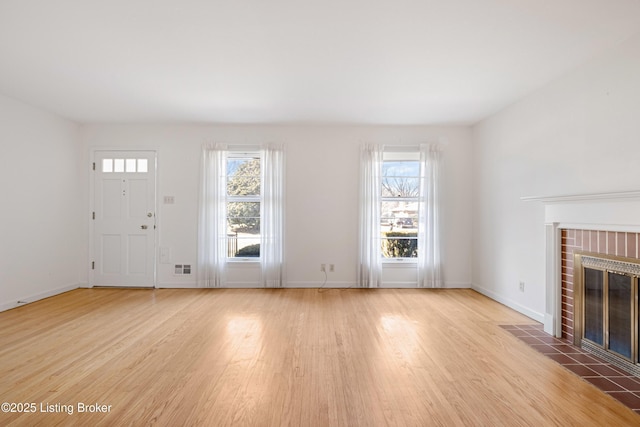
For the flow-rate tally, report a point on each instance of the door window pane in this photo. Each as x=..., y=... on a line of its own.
x=118, y=165
x=107, y=165
x=131, y=165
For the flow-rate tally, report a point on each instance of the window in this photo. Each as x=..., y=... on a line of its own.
x=243, y=205
x=399, y=204
x=400, y=212
x=124, y=165
x=241, y=213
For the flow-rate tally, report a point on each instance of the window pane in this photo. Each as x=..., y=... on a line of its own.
x=243, y=224
x=400, y=178
x=244, y=216
x=131, y=165
x=248, y=248
x=243, y=209
x=107, y=165
x=400, y=187
x=401, y=168
x=399, y=244
x=142, y=165
x=398, y=215
x=118, y=165
x=243, y=243
x=243, y=177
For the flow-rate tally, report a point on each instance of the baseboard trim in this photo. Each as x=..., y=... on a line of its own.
x=36, y=297
x=321, y=284
x=549, y=325
x=399, y=285
x=457, y=285
x=177, y=285
x=538, y=317
x=389, y=285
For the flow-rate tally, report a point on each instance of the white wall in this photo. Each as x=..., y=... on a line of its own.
x=41, y=239
x=321, y=187
x=579, y=134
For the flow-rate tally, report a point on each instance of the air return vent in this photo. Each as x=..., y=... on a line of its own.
x=182, y=269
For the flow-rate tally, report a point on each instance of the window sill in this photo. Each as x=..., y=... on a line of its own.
x=243, y=261
x=399, y=263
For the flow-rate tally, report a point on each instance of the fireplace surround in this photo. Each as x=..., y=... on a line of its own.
x=606, y=223
x=601, y=226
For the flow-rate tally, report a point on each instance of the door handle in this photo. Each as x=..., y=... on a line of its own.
x=144, y=227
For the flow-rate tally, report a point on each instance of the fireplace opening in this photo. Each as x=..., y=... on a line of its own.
x=606, y=308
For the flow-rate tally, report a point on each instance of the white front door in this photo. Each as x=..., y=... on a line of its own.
x=124, y=218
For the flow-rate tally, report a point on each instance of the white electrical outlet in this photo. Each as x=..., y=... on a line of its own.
x=521, y=286
x=332, y=268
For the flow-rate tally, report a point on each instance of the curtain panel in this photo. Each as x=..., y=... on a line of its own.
x=429, y=221
x=212, y=228
x=370, y=253
x=272, y=232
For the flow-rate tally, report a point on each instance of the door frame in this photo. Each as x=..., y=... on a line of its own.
x=91, y=162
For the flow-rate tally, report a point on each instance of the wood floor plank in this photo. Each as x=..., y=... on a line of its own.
x=288, y=357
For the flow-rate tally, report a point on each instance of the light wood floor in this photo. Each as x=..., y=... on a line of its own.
x=286, y=358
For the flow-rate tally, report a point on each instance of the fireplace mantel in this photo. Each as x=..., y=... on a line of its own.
x=621, y=195
x=613, y=211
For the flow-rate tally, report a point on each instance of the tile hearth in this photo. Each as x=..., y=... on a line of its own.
x=608, y=378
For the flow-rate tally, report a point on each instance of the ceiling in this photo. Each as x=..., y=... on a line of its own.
x=296, y=61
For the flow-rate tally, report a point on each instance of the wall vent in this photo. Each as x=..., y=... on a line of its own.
x=182, y=269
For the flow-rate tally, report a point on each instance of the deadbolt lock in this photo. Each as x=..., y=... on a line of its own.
x=144, y=227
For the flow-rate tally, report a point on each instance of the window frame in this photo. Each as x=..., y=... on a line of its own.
x=397, y=156
x=252, y=198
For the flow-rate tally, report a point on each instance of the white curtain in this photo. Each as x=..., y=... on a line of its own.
x=272, y=224
x=212, y=228
x=429, y=234
x=370, y=252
